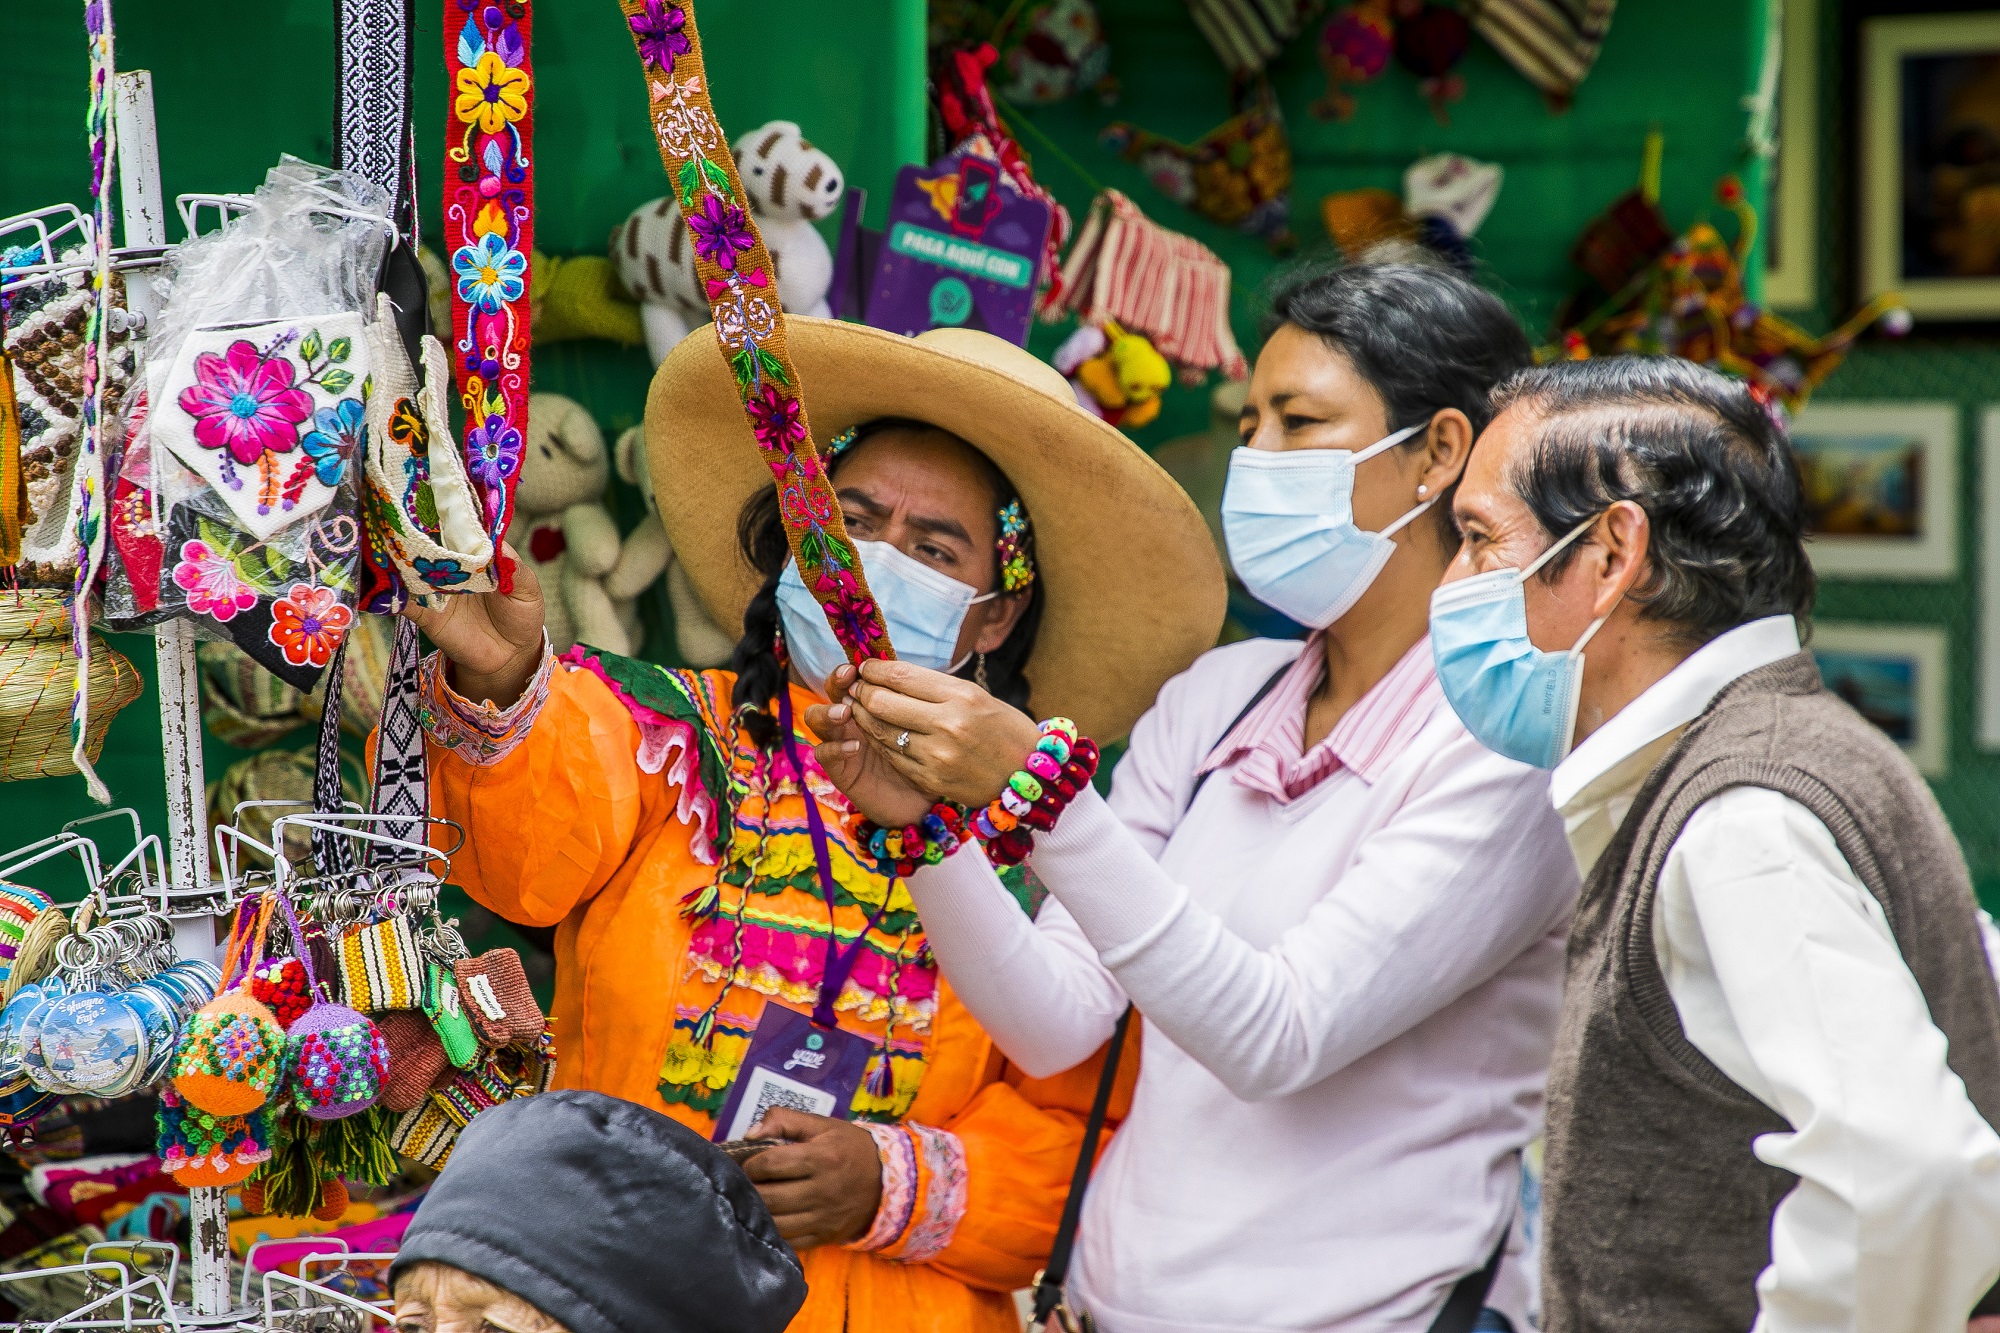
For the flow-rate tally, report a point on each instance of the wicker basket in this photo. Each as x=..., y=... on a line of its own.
x=37, y=671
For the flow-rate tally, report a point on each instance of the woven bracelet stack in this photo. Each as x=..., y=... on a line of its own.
x=1061, y=765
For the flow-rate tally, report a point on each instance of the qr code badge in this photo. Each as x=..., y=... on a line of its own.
x=766, y=1088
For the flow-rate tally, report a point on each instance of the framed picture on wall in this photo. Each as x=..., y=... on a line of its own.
x=1881, y=482
x=1791, y=223
x=1989, y=580
x=1895, y=676
x=1930, y=162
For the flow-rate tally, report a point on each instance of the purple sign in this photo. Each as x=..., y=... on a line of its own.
x=961, y=251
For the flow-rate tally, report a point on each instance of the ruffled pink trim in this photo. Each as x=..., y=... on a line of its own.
x=899, y=1187
x=665, y=745
x=801, y=959
x=944, y=1194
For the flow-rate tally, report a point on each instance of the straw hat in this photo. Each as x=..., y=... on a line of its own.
x=1133, y=589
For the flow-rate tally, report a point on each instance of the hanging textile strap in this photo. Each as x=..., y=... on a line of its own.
x=13, y=486
x=89, y=483
x=740, y=283
x=489, y=205
x=333, y=854
x=372, y=133
x=402, y=782
x=377, y=54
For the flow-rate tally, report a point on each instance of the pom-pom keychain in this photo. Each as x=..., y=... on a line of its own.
x=231, y=1049
x=334, y=1057
x=198, y=1148
x=1354, y=48
x=1431, y=39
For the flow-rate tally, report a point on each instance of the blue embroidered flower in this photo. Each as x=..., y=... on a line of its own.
x=338, y=432
x=440, y=573
x=489, y=273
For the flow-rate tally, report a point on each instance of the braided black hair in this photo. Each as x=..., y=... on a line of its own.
x=760, y=535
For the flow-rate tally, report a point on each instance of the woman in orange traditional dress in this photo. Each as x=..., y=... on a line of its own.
x=656, y=816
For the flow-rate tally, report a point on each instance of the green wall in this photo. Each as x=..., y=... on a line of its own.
x=1956, y=369
x=1683, y=67
x=236, y=84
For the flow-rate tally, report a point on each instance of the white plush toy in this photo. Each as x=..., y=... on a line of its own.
x=647, y=555
x=790, y=183
x=562, y=528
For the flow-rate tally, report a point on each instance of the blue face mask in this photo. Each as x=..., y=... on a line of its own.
x=1289, y=520
x=1515, y=699
x=924, y=611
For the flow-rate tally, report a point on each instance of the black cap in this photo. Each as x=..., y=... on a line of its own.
x=609, y=1218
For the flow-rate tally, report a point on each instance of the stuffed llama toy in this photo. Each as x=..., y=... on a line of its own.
x=647, y=555
x=561, y=526
x=791, y=185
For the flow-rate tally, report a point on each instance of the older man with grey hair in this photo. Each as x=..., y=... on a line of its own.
x=1778, y=1066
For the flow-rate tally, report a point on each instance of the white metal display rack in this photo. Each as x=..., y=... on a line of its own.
x=135, y=1285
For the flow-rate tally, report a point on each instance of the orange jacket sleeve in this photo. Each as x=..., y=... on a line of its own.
x=548, y=824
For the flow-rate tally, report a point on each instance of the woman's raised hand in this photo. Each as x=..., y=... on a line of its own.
x=494, y=639
x=963, y=744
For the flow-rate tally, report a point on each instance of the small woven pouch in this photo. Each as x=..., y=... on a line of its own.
x=416, y=1058
x=232, y=1049
x=380, y=968
x=497, y=998
x=426, y=1134
x=472, y=1091
x=335, y=1057
x=446, y=1011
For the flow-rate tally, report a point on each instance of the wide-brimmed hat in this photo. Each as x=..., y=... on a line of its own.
x=1133, y=588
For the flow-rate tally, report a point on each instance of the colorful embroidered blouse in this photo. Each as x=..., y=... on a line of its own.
x=618, y=802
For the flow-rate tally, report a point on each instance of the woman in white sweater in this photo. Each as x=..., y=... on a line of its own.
x=1341, y=918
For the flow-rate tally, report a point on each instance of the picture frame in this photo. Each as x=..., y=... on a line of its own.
x=1896, y=676
x=1881, y=485
x=1927, y=195
x=1989, y=582
x=1791, y=234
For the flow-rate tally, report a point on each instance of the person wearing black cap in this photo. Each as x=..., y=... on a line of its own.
x=574, y=1212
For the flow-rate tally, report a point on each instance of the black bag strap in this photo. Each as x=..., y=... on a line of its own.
x=1049, y=1283
x=1235, y=722
x=1468, y=1294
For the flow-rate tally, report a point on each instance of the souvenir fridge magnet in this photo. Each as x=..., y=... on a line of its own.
x=268, y=414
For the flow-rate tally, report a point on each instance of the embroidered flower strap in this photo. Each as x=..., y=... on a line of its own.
x=489, y=201
x=96, y=352
x=737, y=277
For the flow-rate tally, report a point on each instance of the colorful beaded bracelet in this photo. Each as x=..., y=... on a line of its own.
x=1060, y=766
x=901, y=851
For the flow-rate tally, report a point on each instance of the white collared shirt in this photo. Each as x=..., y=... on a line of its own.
x=1784, y=972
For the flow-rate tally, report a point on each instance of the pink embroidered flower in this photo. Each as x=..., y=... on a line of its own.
x=658, y=28
x=853, y=618
x=245, y=402
x=308, y=623
x=210, y=580
x=779, y=421
x=721, y=231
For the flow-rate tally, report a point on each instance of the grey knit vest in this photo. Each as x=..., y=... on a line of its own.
x=1656, y=1214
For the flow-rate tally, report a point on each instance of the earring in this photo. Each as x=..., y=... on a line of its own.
x=1422, y=491
x=979, y=674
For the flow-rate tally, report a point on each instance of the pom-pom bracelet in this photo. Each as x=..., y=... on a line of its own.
x=898, y=852
x=1060, y=766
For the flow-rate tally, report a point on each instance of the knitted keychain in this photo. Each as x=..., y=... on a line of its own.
x=334, y=1057
x=232, y=1048
x=737, y=275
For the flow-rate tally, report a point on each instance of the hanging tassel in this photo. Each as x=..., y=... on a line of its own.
x=882, y=1078
x=290, y=1181
x=356, y=1147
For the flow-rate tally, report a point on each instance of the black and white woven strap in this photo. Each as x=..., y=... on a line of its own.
x=402, y=783
x=372, y=133
x=333, y=853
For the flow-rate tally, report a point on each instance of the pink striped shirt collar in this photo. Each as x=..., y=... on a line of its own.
x=1265, y=747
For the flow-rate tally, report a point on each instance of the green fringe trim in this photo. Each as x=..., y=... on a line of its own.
x=356, y=1147
x=695, y=1096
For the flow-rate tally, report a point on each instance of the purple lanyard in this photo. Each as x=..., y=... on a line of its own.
x=838, y=962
